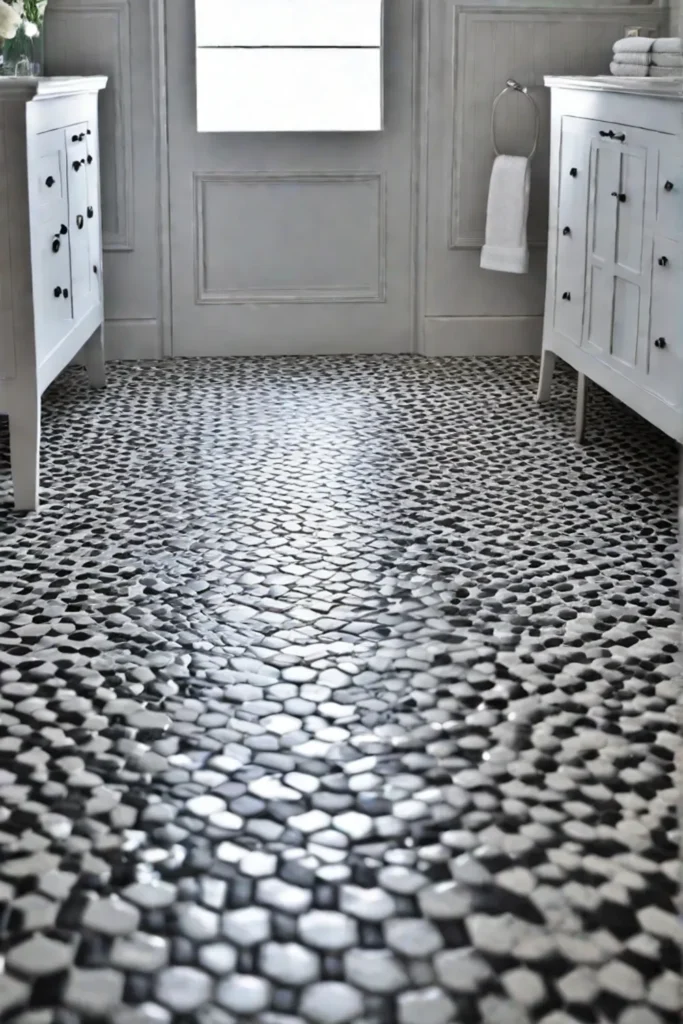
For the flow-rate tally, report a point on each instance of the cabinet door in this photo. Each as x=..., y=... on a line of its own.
x=575, y=148
x=621, y=217
x=85, y=295
x=670, y=187
x=665, y=354
x=49, y=218
x=93, y=215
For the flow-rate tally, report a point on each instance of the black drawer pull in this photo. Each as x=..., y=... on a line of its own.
x=607, y=135
x=88, y=132
x=50, y=181
x=66, y=293
x=663, y=261
x=80, y=222
x=56, y=244
x=95, y=270
x=57, y=292
x=91, y=213
x=566, y=231
x=621, y=196
x=74, y=138
x=81, y=137
x=668, y=186
x=64, y=230
x=89, y=159
x=566, y=296
x=76, y=165
x=573, y=172
x=660, y=342
x=619, y=138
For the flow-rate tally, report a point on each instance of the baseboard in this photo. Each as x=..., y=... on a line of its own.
x=132, y=339
x=483, y=335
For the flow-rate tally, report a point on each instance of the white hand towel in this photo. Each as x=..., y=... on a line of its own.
x=665, y=72
x=667, y=60
x=506, y=247
x=633, y=44
x=667, y=45
x=631, y=58
x=629, y=70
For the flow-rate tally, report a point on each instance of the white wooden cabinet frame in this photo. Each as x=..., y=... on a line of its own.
x=51, y=290
x=615, y=270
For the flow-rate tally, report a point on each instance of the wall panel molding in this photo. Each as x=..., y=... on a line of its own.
x=108, y=21
x=302, y=294
x=494, y=43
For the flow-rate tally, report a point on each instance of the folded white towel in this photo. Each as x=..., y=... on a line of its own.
x=667, y=60
x=665, y=72
x=667, y=45
x=632, y=58
x=507, y=214
x=629, y=70
x=633, y=44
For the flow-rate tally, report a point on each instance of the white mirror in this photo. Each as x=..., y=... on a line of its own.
x=289, y=65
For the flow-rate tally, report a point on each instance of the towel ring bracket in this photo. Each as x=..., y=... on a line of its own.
x=512, y=86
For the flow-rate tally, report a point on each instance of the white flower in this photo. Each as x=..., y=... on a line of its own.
x=9, y=21
x=31, y=30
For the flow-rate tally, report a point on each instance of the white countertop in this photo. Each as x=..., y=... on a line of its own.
x=49, y=88
x=666, y=88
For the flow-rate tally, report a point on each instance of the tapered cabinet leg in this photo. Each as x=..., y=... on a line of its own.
x=581, y=393
x=545, y=382
x=94, y=359
x=24, y=428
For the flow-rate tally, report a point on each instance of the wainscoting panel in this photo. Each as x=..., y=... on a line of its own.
x=330, y=244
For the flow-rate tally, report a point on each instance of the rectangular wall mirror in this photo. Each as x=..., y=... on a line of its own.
x=289, y=65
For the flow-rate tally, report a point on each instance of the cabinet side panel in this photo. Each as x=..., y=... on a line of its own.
x=7, y=361
x=19, y=234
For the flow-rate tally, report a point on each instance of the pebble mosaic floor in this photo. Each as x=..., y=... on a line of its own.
x=339, y=691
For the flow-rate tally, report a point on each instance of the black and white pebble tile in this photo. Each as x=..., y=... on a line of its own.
x=339, y=691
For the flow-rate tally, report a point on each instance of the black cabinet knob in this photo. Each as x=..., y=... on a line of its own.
x=660, y=342
x=50, y=181
x=88, y=132
x=80, y=222
x=95, y=270
x=89, y=159
x=607, y=135
x=668, y=186
x=621, y=196
x=619, y=137
x=81, y=137
x=573, y=172
x=663, y=261
x=76, y=165
x=74, y=138
x=64, y=230
x=66, y=293
x=56, y=245
x=566, y=231
x=566, y=296
x=57, y=292
x=91, y=213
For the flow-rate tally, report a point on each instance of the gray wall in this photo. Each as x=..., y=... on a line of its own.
x=445, y=65
x=118, y=38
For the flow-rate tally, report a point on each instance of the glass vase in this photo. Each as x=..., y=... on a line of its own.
x=23, y=55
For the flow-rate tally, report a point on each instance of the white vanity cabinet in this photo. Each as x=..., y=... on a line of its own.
x=50, y=252
x=615, y=275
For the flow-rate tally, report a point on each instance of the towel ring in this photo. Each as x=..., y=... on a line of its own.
x=512, y=86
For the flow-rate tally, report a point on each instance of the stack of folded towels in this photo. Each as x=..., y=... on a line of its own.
x=641, y=57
